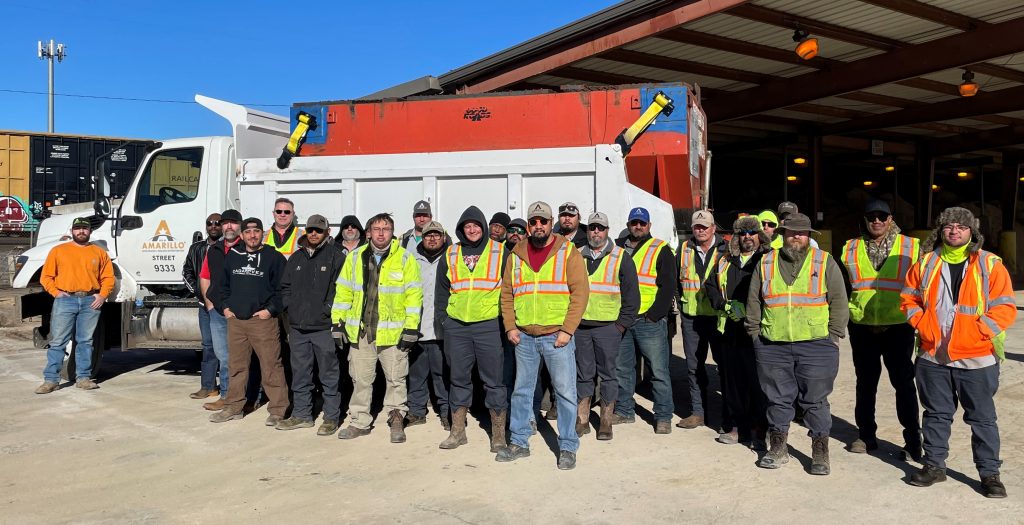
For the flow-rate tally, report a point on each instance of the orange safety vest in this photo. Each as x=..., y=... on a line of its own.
x=290, y=244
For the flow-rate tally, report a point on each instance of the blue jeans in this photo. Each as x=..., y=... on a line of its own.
x=652, y=340
x=70, y=314
x=208, y=365
x=561, y=364
x=219, y=340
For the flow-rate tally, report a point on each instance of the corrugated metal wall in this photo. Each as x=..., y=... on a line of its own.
x=14, y=162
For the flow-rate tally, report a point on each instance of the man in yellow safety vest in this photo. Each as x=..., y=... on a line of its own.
x=796, y=313
x=283, y=236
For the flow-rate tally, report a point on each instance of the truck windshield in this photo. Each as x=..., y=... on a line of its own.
x=171, y=177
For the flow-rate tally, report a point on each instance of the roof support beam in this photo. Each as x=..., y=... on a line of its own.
x=994, y=138
x=791, y=21
x=684, y=66
x=721, y=43
x=931, y=13
x=950, y=52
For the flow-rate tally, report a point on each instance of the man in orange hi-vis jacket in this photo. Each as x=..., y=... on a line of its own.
x=960, y=300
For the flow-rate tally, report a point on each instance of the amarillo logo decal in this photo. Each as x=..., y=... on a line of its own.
x=162, y=240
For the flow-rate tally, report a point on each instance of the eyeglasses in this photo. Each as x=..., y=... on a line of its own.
x=213, y=223
x=957, y=227
x=876, y=216
x=768, y=224
x=637, y=222
x=596, y=227
x=283, y=212
x=432, y=235
x=568, y=210
x=378, y=229
x=318, y=231
x=539, y=220
x=516, y=230
x=748, y=233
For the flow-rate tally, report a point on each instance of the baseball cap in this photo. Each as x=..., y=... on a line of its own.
x=251, y=222
x=501, y=218
x=598, y=218
x=433, y=226
x=520, y=223
x=877, y=205
x=702, y=218
x=422, y=207
x=81, y=222
x=231, y=215
x=787, y=207
x=569, y=208
x=539, y=209
x=639, y=214
x=317, y=221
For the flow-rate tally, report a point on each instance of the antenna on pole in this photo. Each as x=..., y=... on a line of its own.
x=49, y=52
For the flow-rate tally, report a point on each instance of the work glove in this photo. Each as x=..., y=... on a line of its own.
x=737, y=310
x=338, y=331
x=408, y=340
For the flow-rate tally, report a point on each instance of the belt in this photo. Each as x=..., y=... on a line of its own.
x=81, y=294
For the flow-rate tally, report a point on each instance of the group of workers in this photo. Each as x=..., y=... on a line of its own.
x=511, y=297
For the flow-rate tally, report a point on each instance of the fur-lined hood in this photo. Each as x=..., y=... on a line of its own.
x=749, y=222
x=959, y=216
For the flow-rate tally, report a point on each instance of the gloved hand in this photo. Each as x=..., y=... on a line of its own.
x=339, y=329
x=409, y=338
x=737, y=310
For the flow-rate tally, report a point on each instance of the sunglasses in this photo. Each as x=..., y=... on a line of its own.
x=539, y=220
x=749, y=233
x=516, y=230
x=570, y=210
x=283, y=212
x=318, y=231
x=767, y=224
x=880, y=217
x=637, y=222
x=596, y=227
x=213, y=223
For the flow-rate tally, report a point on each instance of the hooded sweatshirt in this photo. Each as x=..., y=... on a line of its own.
x=430, y=328
x=471, y=252
x=252, y=281
x=349, y=220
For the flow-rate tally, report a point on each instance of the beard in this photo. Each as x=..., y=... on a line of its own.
x=795, y=251
x=349, y=235
x=539, y=239
x=230, y=235
x=597, y=244
x=747, y=245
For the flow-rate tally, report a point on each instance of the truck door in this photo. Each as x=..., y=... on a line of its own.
x=160, y=215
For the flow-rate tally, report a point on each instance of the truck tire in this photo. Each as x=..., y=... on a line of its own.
x=67, y=371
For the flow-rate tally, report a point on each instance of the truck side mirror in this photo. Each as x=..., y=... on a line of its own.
x=131, y=222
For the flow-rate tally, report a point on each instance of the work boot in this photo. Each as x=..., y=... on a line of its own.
x=731, y=437
x=224, y=415
x=583, y=417
x=566, y=460
x=273, y=420
x=203, y=393
x=512, y=453
x=552, y=413
x=690, y=422
x=397, y=423
x=533, y=428
x=778, y=452
x=757, y=440
x=863, y=446
x=215, y=405
x=604, y=432
x=458, y=431
x=991, y=487
x=499, y=418
x=446, y=423
x=351, y=432
x=327, y=428
x=819, y=456
x=618, y=419
x=663, y=427
x=86, y=384
x=293, y=423
x=411, y=420
x=928, y=476
x=912, y=450
x=47, y=387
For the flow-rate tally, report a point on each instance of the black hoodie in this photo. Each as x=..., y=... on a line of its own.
x=252, y=281
x=349, y=220
x=444, y=286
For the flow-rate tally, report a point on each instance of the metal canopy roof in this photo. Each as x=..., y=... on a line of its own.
x=886, y=68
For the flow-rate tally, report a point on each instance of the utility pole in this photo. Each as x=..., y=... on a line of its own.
x=48, y=53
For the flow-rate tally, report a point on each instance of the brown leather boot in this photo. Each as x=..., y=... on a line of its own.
x=397, y=423
x=499, y=419
x=604, y=432
x=458, y=434
x=583, y=417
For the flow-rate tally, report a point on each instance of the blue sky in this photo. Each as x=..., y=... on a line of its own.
x=246, y=52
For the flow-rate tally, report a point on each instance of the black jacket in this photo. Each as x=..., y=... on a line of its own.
x=667, y=280
x=252, y=281
x=308, y=285
x=193, y=264
x=579, y=239
x=737, y=281
x=215, y=258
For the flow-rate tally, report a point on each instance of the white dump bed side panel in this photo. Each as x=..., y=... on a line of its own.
x=507, y=180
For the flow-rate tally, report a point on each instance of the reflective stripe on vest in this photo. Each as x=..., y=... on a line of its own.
x=288, y=247
x=475, y=293
x=875, y=297
x=693, y=300
x=605, y=290
x=647, y=272
x=541, y=297
x=798, y=312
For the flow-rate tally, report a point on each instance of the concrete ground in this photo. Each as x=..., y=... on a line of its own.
x=139, y=450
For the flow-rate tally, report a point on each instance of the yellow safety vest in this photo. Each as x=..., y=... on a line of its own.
x=542, y=297
x=693, y=300
x=289, y=245
x=605, y=288
x=475, y=294
x=646, y=261
x=875, y=296
x=798, y=312
x=399, y=295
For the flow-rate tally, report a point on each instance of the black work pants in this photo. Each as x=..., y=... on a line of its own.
x=894, y=346
x=468, y=344
x=597, y=354
x=743, y=392
x=307, y=348
x=700, y=332
x=804, y=372
x=426, y=361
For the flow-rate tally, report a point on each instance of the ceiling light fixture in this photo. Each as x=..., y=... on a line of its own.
x=968, y=88
x=890, y=168
x=806, y=48
x=962, y=174
x=799, y=161
x=792, y=178
x=869, y=183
